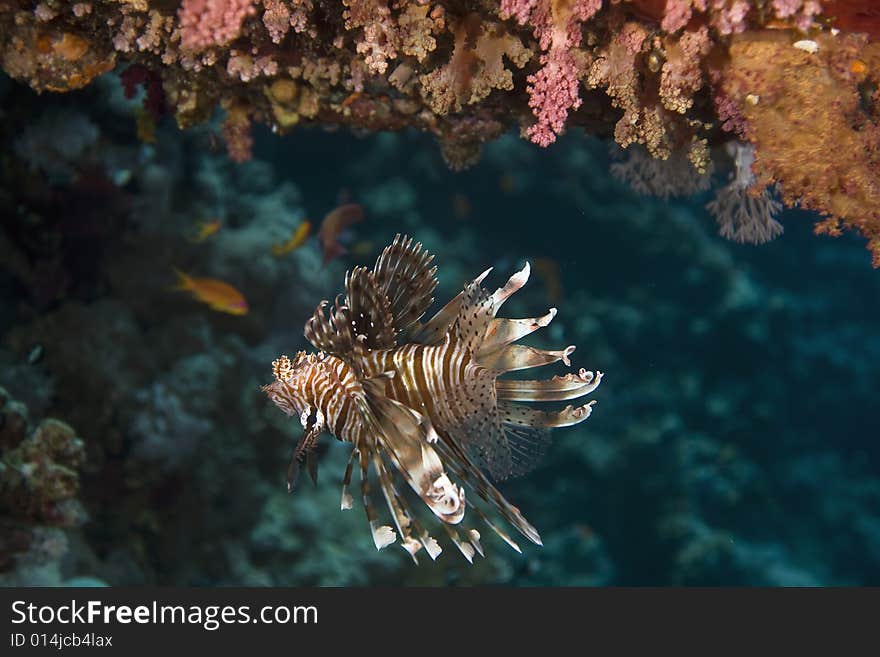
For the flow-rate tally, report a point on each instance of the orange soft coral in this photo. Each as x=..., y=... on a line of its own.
x=808, y=109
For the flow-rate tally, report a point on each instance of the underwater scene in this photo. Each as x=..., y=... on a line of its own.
x=248, y=335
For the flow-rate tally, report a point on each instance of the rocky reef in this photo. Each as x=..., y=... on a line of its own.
x=794, y=81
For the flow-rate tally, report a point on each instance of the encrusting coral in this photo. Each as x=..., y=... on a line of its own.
x=796, y=79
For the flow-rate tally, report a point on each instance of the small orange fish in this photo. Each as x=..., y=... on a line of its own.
x=332, y=226
x=297, y=239
x=363, y=248
x=461, y=206
x=507, y=183
x=205, y=229
x=146, y=126
x=351, y=98
x=216, y=294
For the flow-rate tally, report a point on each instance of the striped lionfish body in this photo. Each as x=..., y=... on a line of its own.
x=425, y=402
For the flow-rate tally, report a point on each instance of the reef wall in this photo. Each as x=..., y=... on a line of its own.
x=796, y=80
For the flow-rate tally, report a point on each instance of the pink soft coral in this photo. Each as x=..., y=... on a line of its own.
x=206, y=23
x=553, y=90
x=801, y=12
x=726, y=16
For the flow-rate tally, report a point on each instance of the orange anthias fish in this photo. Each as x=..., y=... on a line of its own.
x=426, y=405
x=461, y=206
x=218, y=295
x=332, y=226
x=299, y=237
x=363, y=248
x=205, y=229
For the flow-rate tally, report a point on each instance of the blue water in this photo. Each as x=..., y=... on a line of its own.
x=734, y=440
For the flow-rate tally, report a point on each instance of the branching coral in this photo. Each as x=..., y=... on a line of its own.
x=745, y=211
x=379, y=39
x=746, y=216
x=276, y=18
x=796, y=79
x=650, y=176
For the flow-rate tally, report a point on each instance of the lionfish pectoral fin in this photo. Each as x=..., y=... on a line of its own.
x=559, y=388
x=313, y=426
x=400, y=512
x=524, y=416
x=312, y=466
x=513, y=284
x=406, y=521
x=461, y=465
x=347, y=500
x=466, y=549
x=475, y=541
x=292, y=473
x=383, y=535
x=407, y=438
x=503, y=534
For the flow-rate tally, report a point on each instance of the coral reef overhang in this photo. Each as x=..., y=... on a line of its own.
x=796, y=79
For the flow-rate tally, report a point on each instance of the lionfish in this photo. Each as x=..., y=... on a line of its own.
x=423, y=402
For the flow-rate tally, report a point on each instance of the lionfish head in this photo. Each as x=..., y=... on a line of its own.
x=287, y=373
